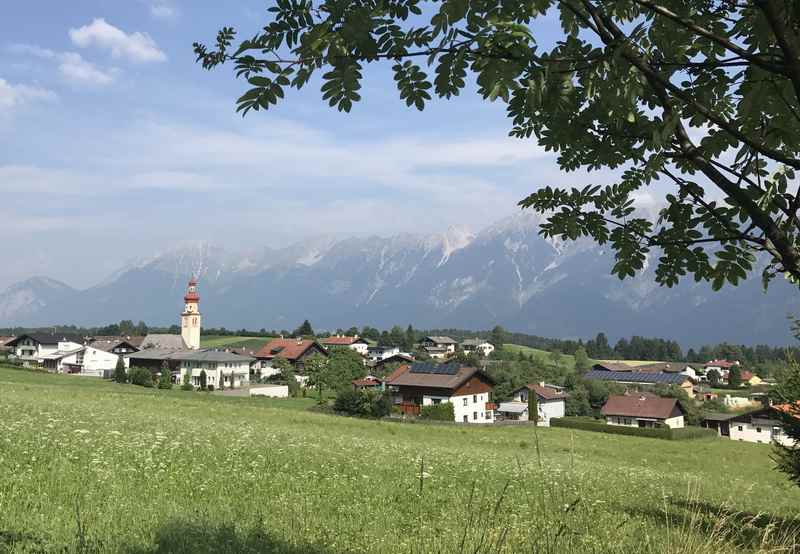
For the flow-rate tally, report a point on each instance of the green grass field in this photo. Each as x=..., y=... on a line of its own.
x=567, y=360
x=92, y=466
x=217, y=341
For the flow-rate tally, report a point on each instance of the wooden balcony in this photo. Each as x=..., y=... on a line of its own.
x=491, y=406
x=409, y=408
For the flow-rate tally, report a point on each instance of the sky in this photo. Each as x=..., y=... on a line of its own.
x=117, y=145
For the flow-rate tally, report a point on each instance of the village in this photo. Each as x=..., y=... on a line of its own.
x=443, y=379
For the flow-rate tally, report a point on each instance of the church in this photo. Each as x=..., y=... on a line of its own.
x=184, y=357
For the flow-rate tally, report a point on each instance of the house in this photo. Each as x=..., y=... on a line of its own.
x=3, y=344
x=550, y=401
x=370, y=382
x=643, y=410
x=750, y=378
x=704, y=393
x=222, y=368
x=722, y=367
x=468, y=389
x=383, y=365
x=642, y=378
x=764, y=425
x=356, y=343
x=115, y=345
x=438, y=348
x=652, y=367
x=295, y=351
x=31, y=349
x=85, y=360
x=477, y=346
x=739, y=402
x=378, y=353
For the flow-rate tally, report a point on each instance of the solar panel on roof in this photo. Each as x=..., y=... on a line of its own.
x=434, y=369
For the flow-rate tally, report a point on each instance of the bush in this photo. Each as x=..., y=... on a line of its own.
x=141, y=376
x=438, y=412
x=120, y=375
x=363, y=403
x=664, y=433
x=187, y=383
x=210, y=388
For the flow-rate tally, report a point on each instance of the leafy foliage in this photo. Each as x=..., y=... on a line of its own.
x=120, y=375
x=363, y=403
x=165, y=378
x=438, y=412
x=141, y=376
x=702, y=95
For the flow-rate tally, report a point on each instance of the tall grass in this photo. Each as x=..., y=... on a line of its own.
x=95, y=467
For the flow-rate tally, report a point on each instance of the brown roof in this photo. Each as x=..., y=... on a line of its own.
x=340, y=341
x=4, y=340
x=404, y=376
x=547, y=393
x=654, y=367
x=291, y=349
x=725, y=364
x=789, y=409
x=640, y=405
x=368, y=381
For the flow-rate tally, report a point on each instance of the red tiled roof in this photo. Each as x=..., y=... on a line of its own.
x=547, y=393
x=640, y=405
x=367, y=382
x=720, y=363
x=291, y=349
x=397, y=372
x=339, y=341
x=746, y=375
x=790, y=409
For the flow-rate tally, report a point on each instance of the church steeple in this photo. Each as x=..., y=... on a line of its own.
x=191, y=318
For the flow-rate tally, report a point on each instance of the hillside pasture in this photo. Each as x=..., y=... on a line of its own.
x=224, y=341
x=92, y=466
x=544, y=357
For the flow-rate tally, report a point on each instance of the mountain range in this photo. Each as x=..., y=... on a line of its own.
x=505, y=274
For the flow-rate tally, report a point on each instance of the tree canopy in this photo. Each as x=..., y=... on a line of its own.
x=704, y=95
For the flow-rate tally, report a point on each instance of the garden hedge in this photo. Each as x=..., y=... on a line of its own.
x=664, y=433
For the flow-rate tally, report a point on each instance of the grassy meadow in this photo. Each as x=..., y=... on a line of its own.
x=566, y=361
x=91, y=466
x=225, y=341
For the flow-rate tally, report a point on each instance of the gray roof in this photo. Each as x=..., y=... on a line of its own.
x=43, y=338
x=636, y=377
x=183, y=354
x=512, y=407
x=211, y=356
x=716, y=416
x=441, y=340
x=174, y=342
x=474, y=342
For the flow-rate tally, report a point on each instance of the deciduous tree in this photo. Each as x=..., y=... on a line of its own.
x=703, y=96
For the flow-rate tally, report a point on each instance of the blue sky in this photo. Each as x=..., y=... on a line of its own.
x=117, y=146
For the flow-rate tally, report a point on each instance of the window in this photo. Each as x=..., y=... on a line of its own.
x=465, y=403
x=758, y=429
x=474, y=398
x=740, y=428
x=474, y=416
x=437, y=401
x=488, y=415
x=466, y=419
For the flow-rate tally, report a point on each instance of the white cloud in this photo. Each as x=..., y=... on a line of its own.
x=163, y=10
x=74, y=68
x=137, y=47
x=12, y=96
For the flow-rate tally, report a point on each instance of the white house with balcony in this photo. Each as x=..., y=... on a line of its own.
x=32, y=349
x=763, y=425
x=421, y=384
x=550, y=402
x=221, y=368
x=477, y=346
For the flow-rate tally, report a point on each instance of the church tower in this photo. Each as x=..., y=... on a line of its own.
x=190, y=318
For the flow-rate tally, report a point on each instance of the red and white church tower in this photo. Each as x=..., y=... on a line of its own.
x=191, y=318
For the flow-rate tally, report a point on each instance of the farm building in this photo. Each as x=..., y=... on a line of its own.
x=478, y=346
x=640, y=378
x=643, y=410
x=468, y=389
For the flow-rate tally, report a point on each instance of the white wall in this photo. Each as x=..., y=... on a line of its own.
x=676, y=422
x=96, y=362
x=469, y=405
x=271, y=391
x=548, y=410
x=760, y=430
x=217, y=372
